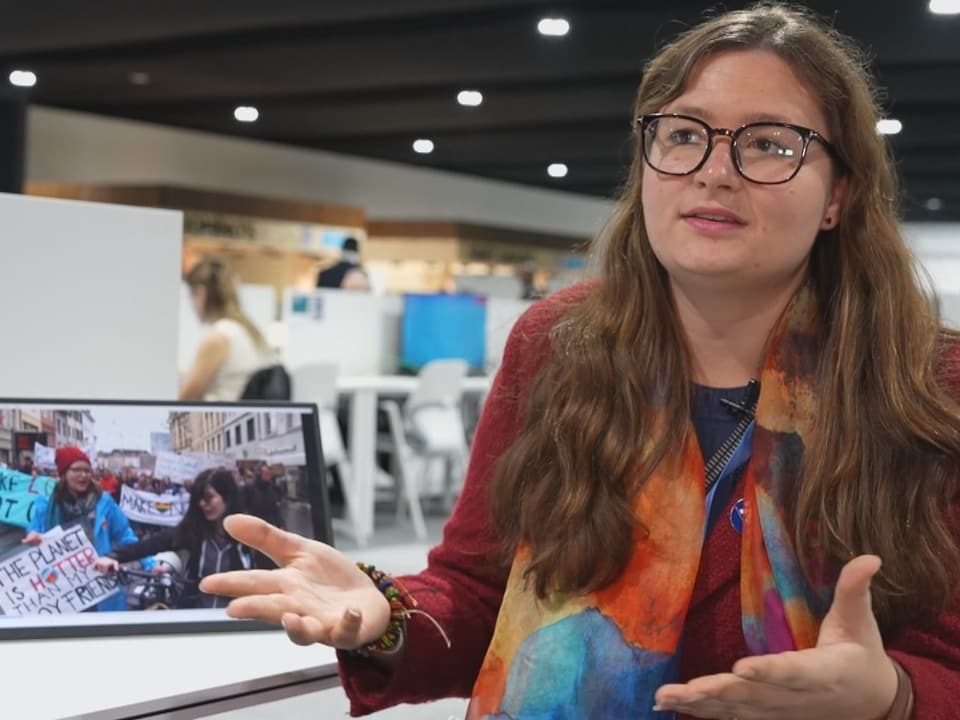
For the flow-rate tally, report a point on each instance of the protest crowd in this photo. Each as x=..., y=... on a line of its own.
x=68, y=527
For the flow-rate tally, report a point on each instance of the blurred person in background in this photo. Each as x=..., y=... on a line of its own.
x=234, y=349
x=109, y=483
x=346, y=273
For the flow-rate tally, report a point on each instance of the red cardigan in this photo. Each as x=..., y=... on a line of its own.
x=462, y=590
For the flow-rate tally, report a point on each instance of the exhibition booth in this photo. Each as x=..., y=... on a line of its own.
x=101, y=313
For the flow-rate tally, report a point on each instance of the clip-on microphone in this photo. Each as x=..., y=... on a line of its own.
x=749, y=405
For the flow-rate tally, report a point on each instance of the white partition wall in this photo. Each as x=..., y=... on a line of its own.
x=501, y=316
x=91, y=299
x=391, y=319
x=492, y=286
x=937, y=246
x=358, y=331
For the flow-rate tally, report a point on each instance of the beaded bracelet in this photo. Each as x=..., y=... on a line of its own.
x=401, y=602
x=402, y=607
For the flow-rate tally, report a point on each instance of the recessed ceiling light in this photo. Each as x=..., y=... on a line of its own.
x=557, y=170
x=423, y=146
x=470, y=98
x=23, y=78
x=889, y=126
x=139, y=78
x=553, y=26
x=934, y=204
x=945, y=7
x=246, y=113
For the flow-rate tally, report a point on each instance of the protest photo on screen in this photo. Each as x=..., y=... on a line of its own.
x=113, y=509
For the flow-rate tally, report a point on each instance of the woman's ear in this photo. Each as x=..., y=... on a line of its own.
x=831, y=213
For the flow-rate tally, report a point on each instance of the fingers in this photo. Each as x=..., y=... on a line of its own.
x=106, y=565
x=347, y=630
x=725, y=695
x=798, y=670
x=850, y=618
x=239, y=583
x=266, y=608
x=306, y=630
x=278, y=545
x=856, y=575
x=298, y=630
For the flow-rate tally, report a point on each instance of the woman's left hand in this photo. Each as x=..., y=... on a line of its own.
x=847, y=675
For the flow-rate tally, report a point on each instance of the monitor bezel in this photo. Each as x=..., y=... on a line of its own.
x=89, y=627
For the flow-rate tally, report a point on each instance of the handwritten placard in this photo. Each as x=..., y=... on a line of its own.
x=44, y=456
x=176, y=467
x=56, y=577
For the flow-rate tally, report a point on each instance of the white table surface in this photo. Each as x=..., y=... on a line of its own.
x=52, y=679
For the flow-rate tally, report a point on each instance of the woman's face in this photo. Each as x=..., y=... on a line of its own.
x=770, y=229
x=212, y=505
x=79, y=478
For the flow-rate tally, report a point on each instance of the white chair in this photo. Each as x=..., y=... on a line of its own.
x=317, y=383
x=430, y=429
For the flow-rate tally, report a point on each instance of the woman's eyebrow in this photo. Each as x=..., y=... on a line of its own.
x=706, y=115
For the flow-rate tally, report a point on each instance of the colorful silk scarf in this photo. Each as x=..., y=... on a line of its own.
x=604, y=654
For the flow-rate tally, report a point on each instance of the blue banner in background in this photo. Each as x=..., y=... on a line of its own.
x=18, y=493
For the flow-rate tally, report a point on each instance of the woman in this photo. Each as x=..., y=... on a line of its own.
x=757, y=324
x=200, y=534
x=78, y=499
x=233, y=349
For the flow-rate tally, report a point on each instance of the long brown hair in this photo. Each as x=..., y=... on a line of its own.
x=878, y=469
x=222, y=301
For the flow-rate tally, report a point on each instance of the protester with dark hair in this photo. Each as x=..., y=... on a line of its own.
x=721, y=479
x=200, y=534
x=78, y=499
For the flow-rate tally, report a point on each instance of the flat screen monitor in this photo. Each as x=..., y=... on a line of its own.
x=148, y=482
x=442, y=327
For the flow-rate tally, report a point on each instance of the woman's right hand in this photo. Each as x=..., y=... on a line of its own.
x=32, y=538
x=106, y=565
x=317, y=593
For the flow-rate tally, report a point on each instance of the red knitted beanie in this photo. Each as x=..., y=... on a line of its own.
x=67, y=456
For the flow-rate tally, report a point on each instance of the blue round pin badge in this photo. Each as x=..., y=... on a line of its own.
x=736, y=516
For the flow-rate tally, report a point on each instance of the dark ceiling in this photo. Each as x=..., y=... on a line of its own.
x=368, y=77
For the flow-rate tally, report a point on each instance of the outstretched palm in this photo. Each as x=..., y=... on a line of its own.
x=317, y=593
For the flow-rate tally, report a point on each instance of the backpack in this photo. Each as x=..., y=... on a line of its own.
x=268, y=383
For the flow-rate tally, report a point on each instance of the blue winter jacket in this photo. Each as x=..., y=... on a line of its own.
x=110, y=529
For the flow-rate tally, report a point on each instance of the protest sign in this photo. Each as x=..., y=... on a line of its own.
x=176, y=467
x=44, y=456
x=18, y=493
x=205, y=461
x=153, y=509
x=54, y=578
